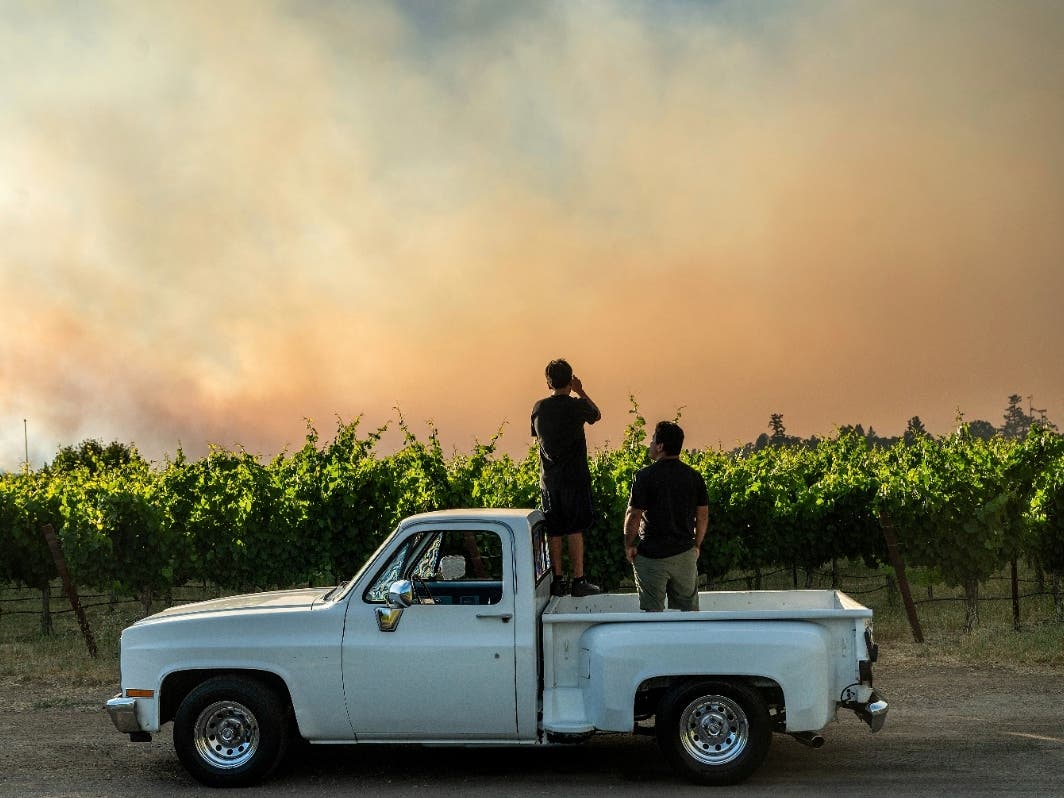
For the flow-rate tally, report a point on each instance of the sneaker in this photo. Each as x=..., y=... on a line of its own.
x=581, y=587
x=560, y=586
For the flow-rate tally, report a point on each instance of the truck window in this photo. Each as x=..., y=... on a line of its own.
x=540, y=551
x=459, y=566
x=394, y=569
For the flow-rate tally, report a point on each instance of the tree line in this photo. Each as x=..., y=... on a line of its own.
x=963, y=505
x=1016, y=422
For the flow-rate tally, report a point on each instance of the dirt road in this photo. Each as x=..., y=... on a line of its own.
x=952, y=730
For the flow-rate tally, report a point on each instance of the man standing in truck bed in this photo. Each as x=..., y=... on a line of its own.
x=564, y=479
x=665, y=524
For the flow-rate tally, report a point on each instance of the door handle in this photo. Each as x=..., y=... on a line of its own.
x=502, y=616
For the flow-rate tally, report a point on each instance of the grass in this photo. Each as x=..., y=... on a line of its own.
x=1037, y=642
x=993, y=642
x=61, y=663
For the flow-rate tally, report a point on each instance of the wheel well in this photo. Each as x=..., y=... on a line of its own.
x=649, y=694
x=176, y=686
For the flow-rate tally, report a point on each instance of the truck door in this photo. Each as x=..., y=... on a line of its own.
x=447, y=670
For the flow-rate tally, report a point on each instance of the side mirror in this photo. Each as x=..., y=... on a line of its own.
x=401, y=594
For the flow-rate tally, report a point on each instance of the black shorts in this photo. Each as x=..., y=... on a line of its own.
x=568, y=509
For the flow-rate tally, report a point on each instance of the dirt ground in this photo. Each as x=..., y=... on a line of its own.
x=952, y=730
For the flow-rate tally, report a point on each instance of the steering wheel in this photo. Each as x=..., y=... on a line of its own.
x=420, y=586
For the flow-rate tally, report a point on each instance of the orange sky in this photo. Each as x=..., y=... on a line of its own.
x=220, y=220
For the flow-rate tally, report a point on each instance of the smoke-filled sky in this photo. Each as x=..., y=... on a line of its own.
x=218, y=219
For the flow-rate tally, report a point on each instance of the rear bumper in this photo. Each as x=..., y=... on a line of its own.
x=876, y=714
x=872, y=710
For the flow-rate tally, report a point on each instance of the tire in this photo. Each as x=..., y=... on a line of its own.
x=713, y=732
x=231, y=731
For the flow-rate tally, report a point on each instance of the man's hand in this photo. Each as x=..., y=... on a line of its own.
x=578, y=387
x=632, y=518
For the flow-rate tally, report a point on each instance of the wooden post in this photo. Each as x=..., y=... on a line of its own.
x=68, y=585
x=899, y=571
x=46, y=608
x=1015, y=595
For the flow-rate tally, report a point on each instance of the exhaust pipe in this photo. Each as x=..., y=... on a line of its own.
x=811, y=739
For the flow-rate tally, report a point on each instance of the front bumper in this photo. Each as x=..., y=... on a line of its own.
x=123, y=712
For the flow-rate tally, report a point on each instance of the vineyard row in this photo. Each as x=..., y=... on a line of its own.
x=960, y=506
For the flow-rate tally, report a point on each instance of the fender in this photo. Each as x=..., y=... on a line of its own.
x=616, y=658
x=309, y=666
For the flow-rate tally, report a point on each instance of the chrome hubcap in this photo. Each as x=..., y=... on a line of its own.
x=226, y=734
x=714, y=730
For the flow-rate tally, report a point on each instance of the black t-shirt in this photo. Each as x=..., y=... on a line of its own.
x=668, y=492
x=558, y=422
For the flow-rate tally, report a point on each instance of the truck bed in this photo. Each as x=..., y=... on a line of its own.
x=728, y=635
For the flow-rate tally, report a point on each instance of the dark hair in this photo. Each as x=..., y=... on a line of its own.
x=559, y=373
x=669, y=435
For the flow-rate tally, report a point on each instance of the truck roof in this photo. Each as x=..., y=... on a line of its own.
x=474, y=514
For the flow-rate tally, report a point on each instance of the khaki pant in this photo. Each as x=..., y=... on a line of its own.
x=674, y=577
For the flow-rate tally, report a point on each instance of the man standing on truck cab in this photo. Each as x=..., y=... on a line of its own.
x=665, y=524
x=564, y=479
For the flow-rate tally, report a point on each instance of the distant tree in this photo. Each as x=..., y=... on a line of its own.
x=1016, y=422
x=873, y=438
x=852, y=429
x=779, y=432
x=914, y=429
x=779, y=436
x=983, y=430
x=1038, y=416
x=93, y=455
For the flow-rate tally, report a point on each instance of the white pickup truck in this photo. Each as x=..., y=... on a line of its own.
x=448, y=635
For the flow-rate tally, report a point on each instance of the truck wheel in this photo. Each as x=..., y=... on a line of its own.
x=230, y=731
x=714, y=732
